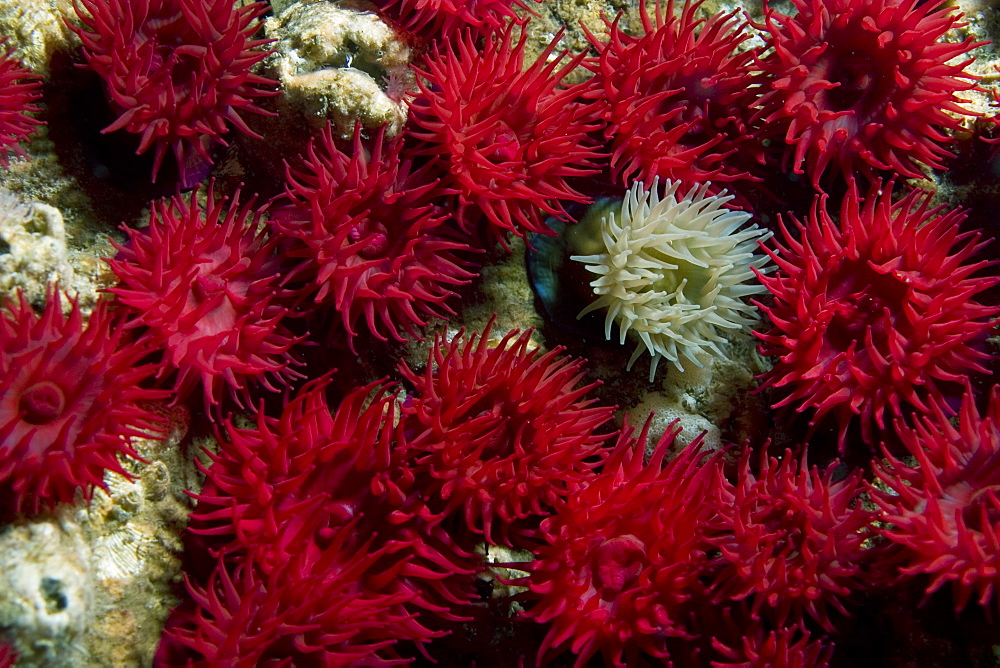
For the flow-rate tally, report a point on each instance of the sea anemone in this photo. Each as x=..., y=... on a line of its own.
x=500, y=433
x=305, y=475
x=377, y=244
x=865, y=85
x=19, y=89
x=178, y=72
x=790, y=538
x=946, y=511
x=759, y=647
x=316, y=608
x=623, y=558
x=207, y=285
x=309, y=468
x=508, y=137
x=71, y=398
x=674, y=270
x=444, y=19
x=872, y=314
x=676, y=100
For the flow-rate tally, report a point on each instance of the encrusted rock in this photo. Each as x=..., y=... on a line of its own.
x=46, y=589
x=36, y=29
x=340, y=62
x=34, y=250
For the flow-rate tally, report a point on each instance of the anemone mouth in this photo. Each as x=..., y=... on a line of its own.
x=861, y=72
x=184, y=69
x=370, y=239
x=501, y=145
x=42, y=403
x=864, y=303
x=161, y=40
x=501, y=434
x=857, y=80
x=618, y=562
x=687, y=283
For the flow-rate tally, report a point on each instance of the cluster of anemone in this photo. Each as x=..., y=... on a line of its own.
x=654, y=559
x=304, y=511
x=379, y=503
x=350, y=503
x=344, y=519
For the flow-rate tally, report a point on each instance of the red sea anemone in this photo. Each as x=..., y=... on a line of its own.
x=378, y=246
x=206, y=283
x=621, y=568
x=327, y=545
x=872, y=314
x=303, y=476
x=946, y=511
x=508, y=137
x=790, y=538
x=784, y=648
x=865, y=85
x=316, y=608
x=19, y=88
x=676, y=99
x=297, y=475
x=70, y=400
x=178, y=72
x=500, y=433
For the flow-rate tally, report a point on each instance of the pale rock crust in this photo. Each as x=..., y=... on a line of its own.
x=35, y=28
x=33, y=253
x=341, y=63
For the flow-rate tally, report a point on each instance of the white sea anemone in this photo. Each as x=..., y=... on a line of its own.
x=675, y=271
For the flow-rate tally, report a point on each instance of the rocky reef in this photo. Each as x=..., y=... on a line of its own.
x=498, y=332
